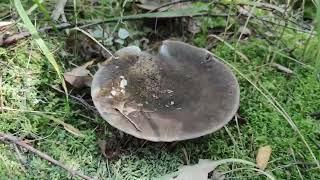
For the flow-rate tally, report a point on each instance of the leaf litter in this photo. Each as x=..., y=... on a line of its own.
x=263, y=156
x=80, y=76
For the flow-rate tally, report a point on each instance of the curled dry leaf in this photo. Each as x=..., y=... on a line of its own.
x=263, y=156
x=80, y=76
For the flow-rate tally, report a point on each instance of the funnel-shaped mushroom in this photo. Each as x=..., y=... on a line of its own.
x=181, y=93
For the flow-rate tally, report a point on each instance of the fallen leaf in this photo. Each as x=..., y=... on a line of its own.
x=79, y=77
x=263, y=157
x=123, y=33
x=198, y=171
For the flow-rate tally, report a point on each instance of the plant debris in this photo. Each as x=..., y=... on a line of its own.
x=17, y=141
x=80, y=76
x=263, y=156
x=198, y=171
x=282, y=68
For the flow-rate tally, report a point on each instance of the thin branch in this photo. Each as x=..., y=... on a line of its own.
x=6, y=40
x=13, y=139
x=150, y=16
x=79, y=100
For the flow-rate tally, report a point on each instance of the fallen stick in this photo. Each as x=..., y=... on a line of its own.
x=8, y=137
x=282, y=68
x=10, y=39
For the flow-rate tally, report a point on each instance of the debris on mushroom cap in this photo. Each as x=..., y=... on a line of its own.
x=113, y=93
x=116, y=91
x=123, y=83
x=175, y=95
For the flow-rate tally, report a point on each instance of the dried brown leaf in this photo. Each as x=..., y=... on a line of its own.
x=79, y=77
x=263, y=156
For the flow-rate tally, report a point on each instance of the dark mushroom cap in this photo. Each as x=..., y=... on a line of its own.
x=181, y=93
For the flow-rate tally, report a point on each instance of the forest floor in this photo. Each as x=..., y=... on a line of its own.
x=278, y=107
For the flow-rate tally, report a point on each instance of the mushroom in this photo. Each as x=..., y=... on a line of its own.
x=181, y=93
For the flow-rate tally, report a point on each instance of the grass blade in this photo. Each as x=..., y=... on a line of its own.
x=45, y=50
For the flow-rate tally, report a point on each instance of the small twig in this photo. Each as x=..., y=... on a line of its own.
x=150, y=16
x=282, y=68
x=10, y=39
x=12, y=139
x=93, y=39
x=80, y=100
x=129, y=119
